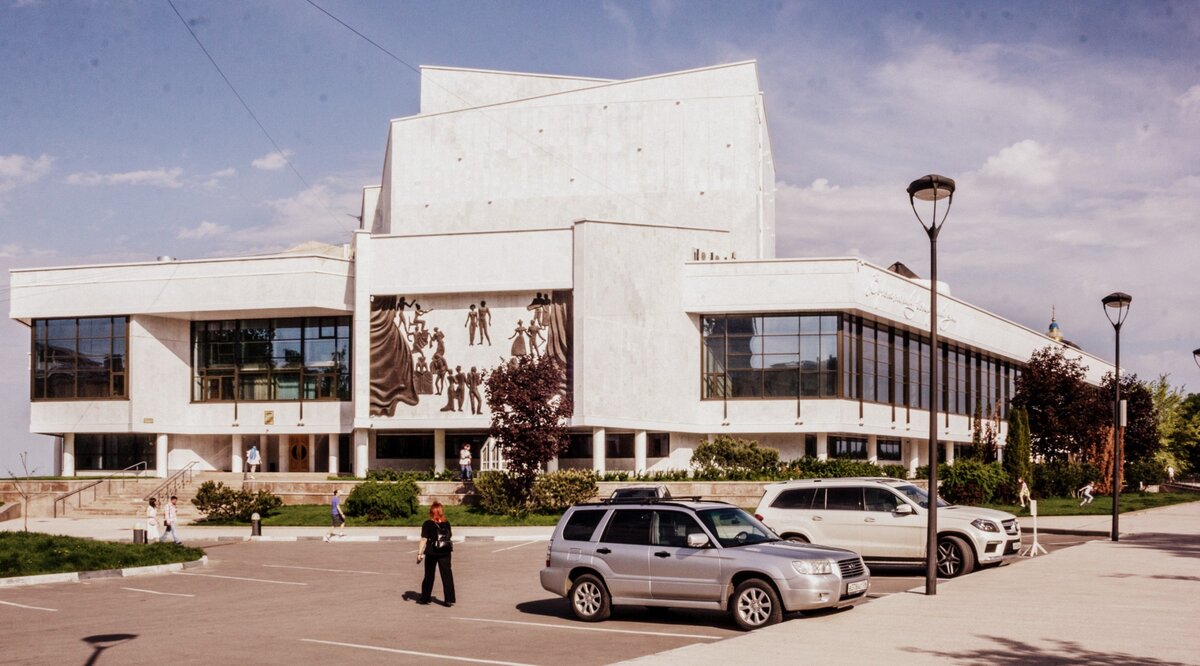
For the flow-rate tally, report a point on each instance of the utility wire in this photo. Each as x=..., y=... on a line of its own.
x=278, y=149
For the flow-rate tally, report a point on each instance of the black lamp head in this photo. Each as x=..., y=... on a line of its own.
x=1116, y=303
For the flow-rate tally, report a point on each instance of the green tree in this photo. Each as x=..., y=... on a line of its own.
x=1141, y=431
x=530, y=412
x=1018, y=461
x=1062, y=407
x=1178, y=424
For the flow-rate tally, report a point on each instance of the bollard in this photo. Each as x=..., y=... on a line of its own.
x=255, y=525
x=139, y=532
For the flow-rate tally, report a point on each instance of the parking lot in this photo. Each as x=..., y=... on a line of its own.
x=313, y=602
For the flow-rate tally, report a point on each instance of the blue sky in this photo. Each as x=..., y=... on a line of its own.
x=1071, y=127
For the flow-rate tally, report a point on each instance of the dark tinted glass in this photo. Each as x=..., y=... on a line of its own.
x=630, y=526
x=800, y=498
x=581, y=525
x=844, y=499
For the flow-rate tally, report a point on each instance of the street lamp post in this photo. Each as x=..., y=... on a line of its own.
x=932, y=188
x=1196, y=356
x=1116, y=306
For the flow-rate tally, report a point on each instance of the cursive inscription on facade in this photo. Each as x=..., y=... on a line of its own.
x=912, y=301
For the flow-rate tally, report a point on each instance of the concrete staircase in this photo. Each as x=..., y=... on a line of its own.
x=316, y=488
x=127, y=500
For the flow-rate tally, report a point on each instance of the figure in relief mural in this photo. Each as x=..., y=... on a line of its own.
x=471, y=325
x=391, y=361
x=438, y=368
x=535, y=337
x=422, y=376
x=460, y=386
x=474, y=379
x=454, y=391
x=420, y=337
x=439, y=341
x=485, y=322
x=518, y=338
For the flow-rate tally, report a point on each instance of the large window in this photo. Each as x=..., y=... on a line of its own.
x=888, y=449
x=770, y=356
x=80, y=359
x=847, y=447
x=114, y=452
x=391, y=446
x=271, y=359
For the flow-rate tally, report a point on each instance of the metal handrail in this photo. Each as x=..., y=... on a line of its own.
x=173, y=483
x=62, y=498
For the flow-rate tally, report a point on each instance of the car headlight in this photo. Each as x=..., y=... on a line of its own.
x=812, y=567
x=985, y=525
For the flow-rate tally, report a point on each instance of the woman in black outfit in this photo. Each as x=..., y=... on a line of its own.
x=435, y=549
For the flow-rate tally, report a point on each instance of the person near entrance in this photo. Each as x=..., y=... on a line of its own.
x=435, y=550
x=464, y=463
x=169, y=520
x=253, y=460
x=337, y=518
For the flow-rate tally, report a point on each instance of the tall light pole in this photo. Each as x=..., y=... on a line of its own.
x=932, y=188
x=1116, y=306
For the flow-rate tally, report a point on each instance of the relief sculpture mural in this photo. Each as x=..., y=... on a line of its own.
x=418, y=351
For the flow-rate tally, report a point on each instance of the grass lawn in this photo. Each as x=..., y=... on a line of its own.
x=317, y=515
x=32, y=553
x=1102, y=506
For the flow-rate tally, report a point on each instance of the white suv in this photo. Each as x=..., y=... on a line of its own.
x=884, y=519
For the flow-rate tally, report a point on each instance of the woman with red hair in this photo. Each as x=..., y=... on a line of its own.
x=435, y=550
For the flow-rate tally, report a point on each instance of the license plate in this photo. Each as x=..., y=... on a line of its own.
x=855, y=588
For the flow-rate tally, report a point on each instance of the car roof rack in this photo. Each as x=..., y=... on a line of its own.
x=653, y=500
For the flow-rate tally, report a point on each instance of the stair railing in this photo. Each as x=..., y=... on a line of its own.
x=78, y=492
x=172, y=485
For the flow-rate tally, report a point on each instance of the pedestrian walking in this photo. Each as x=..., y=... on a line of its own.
x=170, y=518
x=1086, y=493
x=1023, y=494
x=337, y=518
x=152, y=521
x=435, y=550
x=464, y=463
x=1170, y=474
x=253, y=460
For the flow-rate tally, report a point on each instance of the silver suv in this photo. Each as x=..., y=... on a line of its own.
x=692, y=554
x=884, y=520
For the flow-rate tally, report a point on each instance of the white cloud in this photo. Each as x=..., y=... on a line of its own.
x=318, y=214
x=160, y=177
x=272, y=161
x=1189, y=102
x=205, y=229
x=214, y=179
x=17, y=170
x=1025, y=162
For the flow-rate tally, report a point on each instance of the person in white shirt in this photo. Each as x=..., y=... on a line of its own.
x=253, y=460
x=464, y=462
x=1086, y=493
x=152, y=521
x=169, y=521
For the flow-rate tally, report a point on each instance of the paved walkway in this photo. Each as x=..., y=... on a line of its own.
x=1136, y=601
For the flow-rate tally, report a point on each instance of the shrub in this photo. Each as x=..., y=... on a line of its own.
x=1060, y=478
x=377, y=500
x=500, y=493
x=815, y=468
x=388, y=474
x=971, y=481
x=737, y=459
x=555, y=491
x=894, y=471
x=219, y=502
x=1148, y=471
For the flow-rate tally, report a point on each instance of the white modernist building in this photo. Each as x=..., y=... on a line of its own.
x=626, y=227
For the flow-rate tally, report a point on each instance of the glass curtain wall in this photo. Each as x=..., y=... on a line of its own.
x=271, y=359
x=80, y=359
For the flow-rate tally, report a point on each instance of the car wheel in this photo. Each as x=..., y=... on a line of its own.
x=756, y=604
x=796, y=538
x=589, y=599
x=954, y=557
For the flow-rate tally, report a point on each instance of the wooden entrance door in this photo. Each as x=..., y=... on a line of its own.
x=298, y=453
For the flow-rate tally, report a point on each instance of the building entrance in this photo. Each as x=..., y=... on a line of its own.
x=298, y=453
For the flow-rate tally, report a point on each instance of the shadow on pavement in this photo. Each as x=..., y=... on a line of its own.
x=561, y=609
x=1010, y=652
x=1181, y=545
x=102, y=642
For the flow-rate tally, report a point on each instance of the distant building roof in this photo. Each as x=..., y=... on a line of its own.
x=900, y=269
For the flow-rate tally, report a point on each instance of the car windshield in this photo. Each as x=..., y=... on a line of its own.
x=734, y=527
x=919, y=496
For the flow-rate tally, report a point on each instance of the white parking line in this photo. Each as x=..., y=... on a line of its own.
x=430, y=655
x=578, y=628
x=373, y=573
x=9, y=603
x=518, y=546
x=166, y=594
x=253, y=580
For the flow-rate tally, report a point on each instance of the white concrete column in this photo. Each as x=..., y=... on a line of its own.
x=334, y=440
x=439, y=452
x=639, y=451
x=598, y=437
x=237, y=458
x=552, y=464
x=362, y=439
x=281, y=452
x=161, y=448
x=872, y=448
x=822, y=446
x=312, y=453
x=68, y=455
x=949, y=449
x=914, y=456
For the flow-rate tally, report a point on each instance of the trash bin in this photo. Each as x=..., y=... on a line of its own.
x=139, y=532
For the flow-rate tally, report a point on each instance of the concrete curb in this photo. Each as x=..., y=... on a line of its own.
x=77, y=576
x=376, y=538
